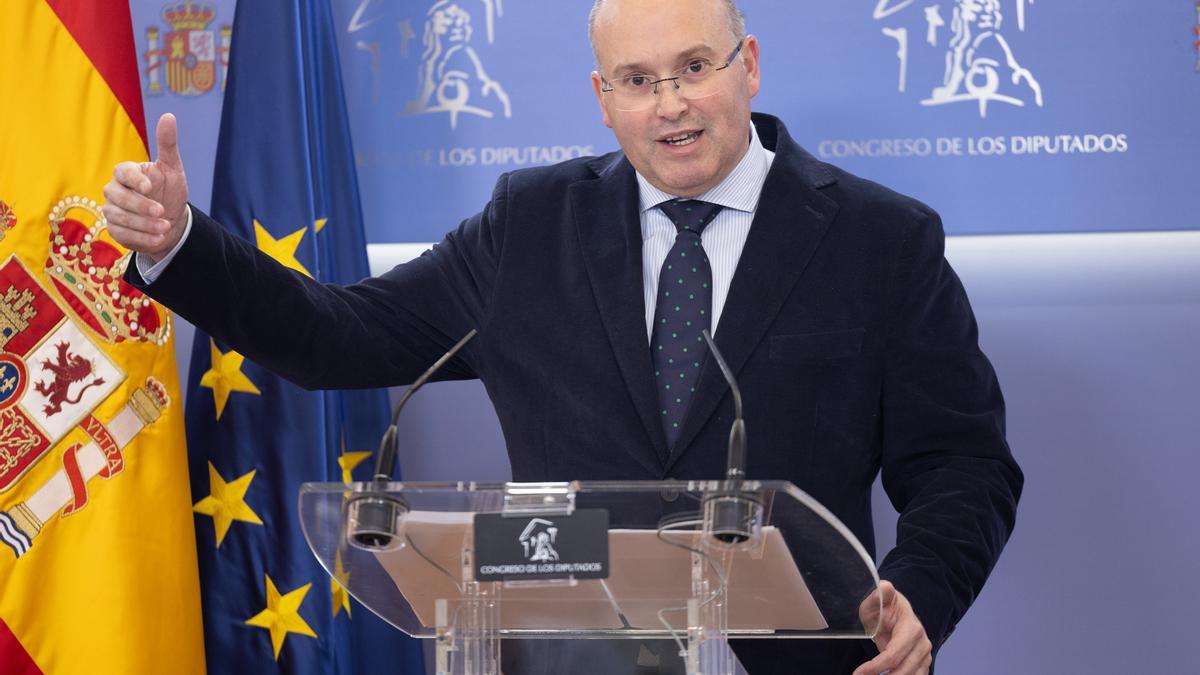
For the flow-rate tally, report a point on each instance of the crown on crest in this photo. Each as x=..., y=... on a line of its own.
x=188, y=15
x=87, y=273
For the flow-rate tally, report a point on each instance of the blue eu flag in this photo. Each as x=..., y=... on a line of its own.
x=284, y=180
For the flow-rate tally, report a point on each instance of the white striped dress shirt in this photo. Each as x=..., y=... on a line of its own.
x=724, y=237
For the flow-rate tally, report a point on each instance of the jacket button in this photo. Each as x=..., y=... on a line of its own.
x=670, y=495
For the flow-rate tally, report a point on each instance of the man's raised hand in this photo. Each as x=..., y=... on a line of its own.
x=146, y=203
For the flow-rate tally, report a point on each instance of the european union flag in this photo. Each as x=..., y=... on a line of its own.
x=285, y=180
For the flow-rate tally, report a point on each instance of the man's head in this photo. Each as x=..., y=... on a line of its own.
x=683, y=146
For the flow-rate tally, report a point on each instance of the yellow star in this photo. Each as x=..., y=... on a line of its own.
x=348, y=461
x=282, y=250
x=226, y=376
x=337, y=586
x=282, y=615
x=227, y=502
x=319, y=224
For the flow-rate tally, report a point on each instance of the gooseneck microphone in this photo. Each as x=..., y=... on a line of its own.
x=731, y=514
x=736, y=466
x=387, y=446
x=374, y=514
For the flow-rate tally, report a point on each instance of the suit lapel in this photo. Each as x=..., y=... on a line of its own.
x=610, y=233
x=791, y=219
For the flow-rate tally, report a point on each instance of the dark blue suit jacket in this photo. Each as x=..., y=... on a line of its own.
x=851, y=337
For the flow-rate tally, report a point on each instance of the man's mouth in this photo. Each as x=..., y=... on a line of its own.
x=682, y=139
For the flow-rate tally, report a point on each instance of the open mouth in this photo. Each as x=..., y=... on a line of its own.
x=682, y=139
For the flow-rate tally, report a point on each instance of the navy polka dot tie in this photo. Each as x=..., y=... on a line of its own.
x=683, y=311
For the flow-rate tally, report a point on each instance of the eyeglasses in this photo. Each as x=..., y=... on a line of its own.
x=693, y=81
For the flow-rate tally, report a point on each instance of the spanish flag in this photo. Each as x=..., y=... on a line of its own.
x=98, y=566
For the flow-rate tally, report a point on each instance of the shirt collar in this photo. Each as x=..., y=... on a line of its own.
x=740, y=189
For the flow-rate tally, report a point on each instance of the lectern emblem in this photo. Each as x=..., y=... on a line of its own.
x=538, y=541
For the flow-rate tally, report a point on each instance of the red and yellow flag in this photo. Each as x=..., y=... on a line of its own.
x=97, y=553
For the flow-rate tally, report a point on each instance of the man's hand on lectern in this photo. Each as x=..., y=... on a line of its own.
x=146, y=205
x=904, y=649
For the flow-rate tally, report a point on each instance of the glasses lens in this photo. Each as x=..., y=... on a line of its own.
x=703, y=87
x=636, y=98
x=632, y=98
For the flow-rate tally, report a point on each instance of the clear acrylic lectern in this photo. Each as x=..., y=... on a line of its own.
x=673, y=570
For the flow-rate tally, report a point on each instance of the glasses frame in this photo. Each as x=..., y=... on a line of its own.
x=674, y=79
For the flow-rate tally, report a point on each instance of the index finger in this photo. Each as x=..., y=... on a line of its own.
x=131, y=176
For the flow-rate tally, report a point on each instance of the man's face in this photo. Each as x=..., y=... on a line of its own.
x=658, y=37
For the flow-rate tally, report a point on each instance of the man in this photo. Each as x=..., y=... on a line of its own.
x=852, y=338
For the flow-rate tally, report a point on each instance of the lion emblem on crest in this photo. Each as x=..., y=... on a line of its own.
x=67, y=369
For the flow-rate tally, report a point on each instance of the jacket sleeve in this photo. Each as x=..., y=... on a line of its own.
x=381, y=331
x=946, y=465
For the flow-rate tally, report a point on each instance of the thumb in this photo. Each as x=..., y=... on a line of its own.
x=168, y=142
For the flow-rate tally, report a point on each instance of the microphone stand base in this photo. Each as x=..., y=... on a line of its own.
x=733, y=517
x=373, y=521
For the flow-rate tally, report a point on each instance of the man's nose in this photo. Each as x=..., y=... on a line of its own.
x=670, y=104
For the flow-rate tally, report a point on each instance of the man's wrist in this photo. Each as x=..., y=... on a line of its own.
x=150, y=267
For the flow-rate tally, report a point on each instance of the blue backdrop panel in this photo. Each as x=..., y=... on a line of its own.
x=1006, y=115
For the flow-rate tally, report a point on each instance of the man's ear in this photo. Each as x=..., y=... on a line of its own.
x=597, y=86
x=750, y=59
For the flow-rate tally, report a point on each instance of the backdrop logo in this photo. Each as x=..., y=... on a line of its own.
x=981, y=66
x=189, y=53
x=439, y=65
x=451, y=71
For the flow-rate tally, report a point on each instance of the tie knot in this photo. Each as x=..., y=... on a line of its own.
x=690, y=214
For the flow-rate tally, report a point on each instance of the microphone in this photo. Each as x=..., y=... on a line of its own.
x=374, y=515
x=732, y=515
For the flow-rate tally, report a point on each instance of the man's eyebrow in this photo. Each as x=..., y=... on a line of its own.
x=684, y=56
x=698, y=50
